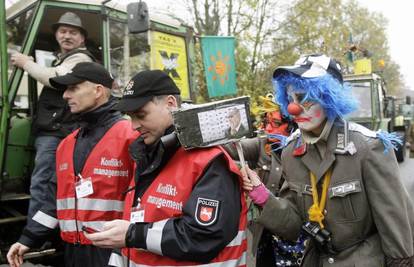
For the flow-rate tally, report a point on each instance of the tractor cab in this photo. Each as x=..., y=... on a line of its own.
x=153, y=43
x=377, y=110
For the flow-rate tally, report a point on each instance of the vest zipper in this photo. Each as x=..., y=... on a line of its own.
x=76, y=210
x=138, y=202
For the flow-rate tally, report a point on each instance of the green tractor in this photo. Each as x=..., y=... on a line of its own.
x=124, y=40
x=377, y=110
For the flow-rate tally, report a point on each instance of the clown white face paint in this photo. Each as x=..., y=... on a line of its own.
x=311, y=117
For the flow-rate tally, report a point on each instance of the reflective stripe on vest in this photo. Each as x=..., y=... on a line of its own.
x=117, y=260
x=70, y=225
x=90, y=204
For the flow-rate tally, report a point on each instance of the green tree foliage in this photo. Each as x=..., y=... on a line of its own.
x=368, y=31
x=252, y=23
x=270, y=33
x=326, y=26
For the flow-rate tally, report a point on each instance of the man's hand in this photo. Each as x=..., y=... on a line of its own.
x=19, y=60
x=15, y=254
x=112, y=236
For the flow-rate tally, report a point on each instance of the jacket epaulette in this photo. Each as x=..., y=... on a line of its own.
x=361, y=129
x=389, y=140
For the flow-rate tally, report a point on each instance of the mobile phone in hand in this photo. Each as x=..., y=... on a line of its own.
x=89, y=230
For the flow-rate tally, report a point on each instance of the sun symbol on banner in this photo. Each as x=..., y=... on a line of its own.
x=220, y=67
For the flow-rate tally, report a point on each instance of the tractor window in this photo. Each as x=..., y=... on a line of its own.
x=16, y=32
x=380, y=94
x=45, y=46
x=129, y=52
x=362, y=92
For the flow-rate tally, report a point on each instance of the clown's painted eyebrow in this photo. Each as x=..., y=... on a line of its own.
x=298, y=97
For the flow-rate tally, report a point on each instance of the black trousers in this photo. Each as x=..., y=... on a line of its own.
x=265, y=255
x=86, y=256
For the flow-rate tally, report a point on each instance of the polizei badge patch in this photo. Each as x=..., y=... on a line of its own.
x=206, y=211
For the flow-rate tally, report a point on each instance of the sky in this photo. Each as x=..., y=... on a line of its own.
x=400, y=36
x=398, y=12
x=400, y=18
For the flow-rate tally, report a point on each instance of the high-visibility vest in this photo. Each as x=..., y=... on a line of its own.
x=165, y=198
x=110, y=169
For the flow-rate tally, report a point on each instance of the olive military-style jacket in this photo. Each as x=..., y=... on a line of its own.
x=270, y=170
x=368, y=210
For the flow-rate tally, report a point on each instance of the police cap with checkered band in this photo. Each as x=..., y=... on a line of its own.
x=312, y=66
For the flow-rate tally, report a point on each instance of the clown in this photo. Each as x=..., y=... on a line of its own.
x=263, y=154
x=343, y=190
x=275, y=126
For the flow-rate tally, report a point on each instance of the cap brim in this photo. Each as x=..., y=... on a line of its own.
x=62, y=82
x=132, y=104
x=298, y=70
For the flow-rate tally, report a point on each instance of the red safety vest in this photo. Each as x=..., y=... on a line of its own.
x=110, y=169
x=167, y=195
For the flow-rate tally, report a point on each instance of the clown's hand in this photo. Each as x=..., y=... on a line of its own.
x=252, y=183
x=250, y=178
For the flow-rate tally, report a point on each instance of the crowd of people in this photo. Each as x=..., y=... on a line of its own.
x=316, y=190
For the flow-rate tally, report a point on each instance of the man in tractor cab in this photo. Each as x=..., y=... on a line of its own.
x=52, y=120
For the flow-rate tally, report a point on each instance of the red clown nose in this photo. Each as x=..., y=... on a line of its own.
x=294, y=109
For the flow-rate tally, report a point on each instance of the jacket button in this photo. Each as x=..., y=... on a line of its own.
x=273, y=185
x=277, y=168
x=331, y=260
x=264, y=167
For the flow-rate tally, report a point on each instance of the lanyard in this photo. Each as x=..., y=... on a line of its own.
x=316, y=210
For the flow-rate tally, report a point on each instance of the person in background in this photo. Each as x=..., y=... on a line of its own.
x=93, y=171
x=342, y=189
x=52, y=120
x=263, y=154
x=186, y=207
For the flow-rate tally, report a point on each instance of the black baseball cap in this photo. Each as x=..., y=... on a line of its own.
x=84, y=71
x=312, y=66
x=143, y=87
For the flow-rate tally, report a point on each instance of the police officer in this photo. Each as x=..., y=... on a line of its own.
x=187, y=207
x=52, y=120
x=343, y=188
x=93, y=170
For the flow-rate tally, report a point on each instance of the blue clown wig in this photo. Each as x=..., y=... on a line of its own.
x=335, y=98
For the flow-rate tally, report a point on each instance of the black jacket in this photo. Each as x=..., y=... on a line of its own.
x=183, y=238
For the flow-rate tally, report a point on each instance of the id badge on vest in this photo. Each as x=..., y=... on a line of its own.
x=137, y=213
x=83, y=187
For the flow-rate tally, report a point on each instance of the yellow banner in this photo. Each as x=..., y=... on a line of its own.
x=362, y=66
x=168, y=53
